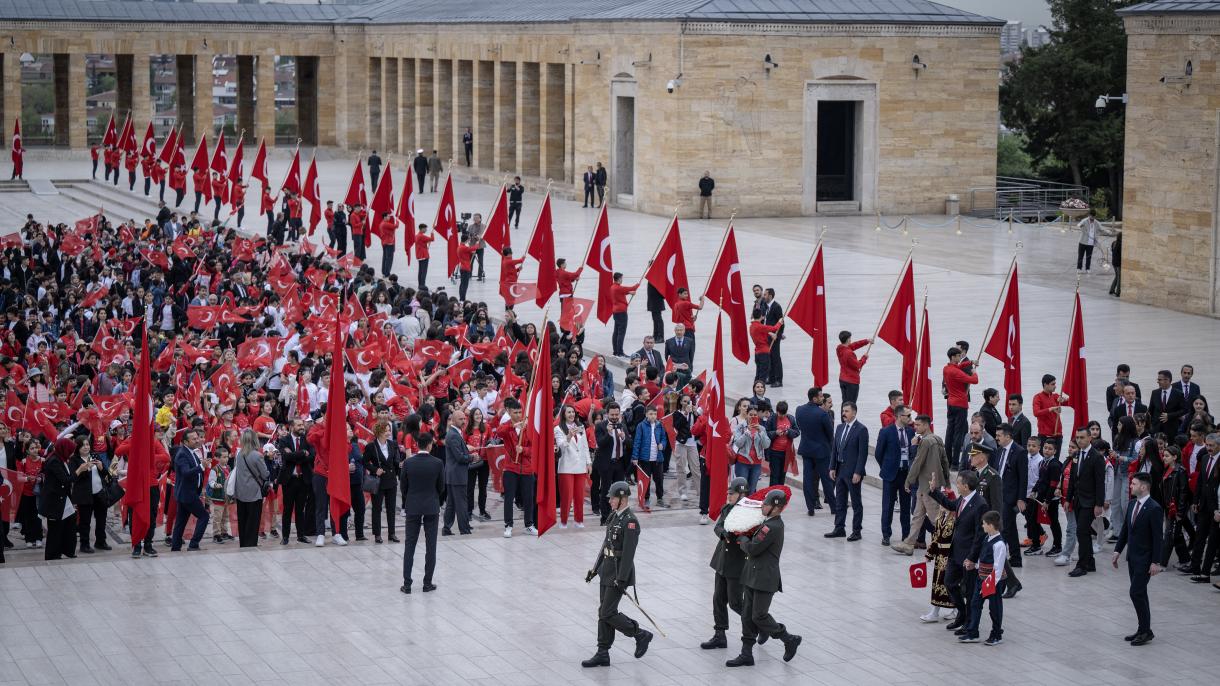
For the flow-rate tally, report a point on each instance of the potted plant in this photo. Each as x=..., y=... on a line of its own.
x=1073, y=208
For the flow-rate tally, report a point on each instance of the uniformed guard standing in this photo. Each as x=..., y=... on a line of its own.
x=760, y=578
x=727, y=560
x=616, y=567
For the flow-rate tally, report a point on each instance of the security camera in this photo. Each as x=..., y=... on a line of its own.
x=673, y=83
x=1100, y=104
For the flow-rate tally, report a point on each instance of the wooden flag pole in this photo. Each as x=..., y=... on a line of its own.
x=1003, y=293
x=800, y=284
x=889, y=301
x=919, y=351
x=720, y=251
x=656, y=251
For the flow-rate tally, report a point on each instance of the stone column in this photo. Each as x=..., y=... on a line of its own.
x=11, y=78
x=406, y=107
x=569, y=124
x=78, y=114
x=424, y=93
x=264, y=100
x=463, y=104
x=204, y=112
x=444, y=110
x=375, y=100
x=141, y=87
x=552, y=121
x=307, y=99
x=245, y=95
x=528, y=121
x=124, y=86
x=389, y=105
x=484, y=119
x=184, y=93
x=327, y=135
x=506, y=117
x=350, y=88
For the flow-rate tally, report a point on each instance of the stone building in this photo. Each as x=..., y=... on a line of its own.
x=795, y=106
x=1171, y=222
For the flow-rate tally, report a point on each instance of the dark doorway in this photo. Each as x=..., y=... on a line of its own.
x=836, y=168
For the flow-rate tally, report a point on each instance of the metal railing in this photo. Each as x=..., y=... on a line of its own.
x=1024, y=199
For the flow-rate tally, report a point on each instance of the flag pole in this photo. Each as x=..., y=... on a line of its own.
x=656, y=251
x=437, y=218
x=534, y=371
x=720, y=251
x=1067, y=354
x=800, y=284
x=999, y=299
x=889, y=301
x=538, y=217
x=593, y=235
x=919, y=352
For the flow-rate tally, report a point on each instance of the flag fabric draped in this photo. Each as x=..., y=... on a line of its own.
x=724, y=289
x=405, y=213
x=1075, y=371
x=542, y=248
x=538, y=429
x=127, y=137
x=313, y=194
x=18, y=152
x=808, y=312
x=642, y=484
x=920, y=391
x=337, y=487
x=237, y=168
x=220, y=160
x=667, y=273
x=1005, y=341
x=140, y=457
x=148, y=146
x=260, y=163
x=383, y=199
x=599, y=260
x=169, y=147
x=898, y=322
x=111, y=137
x=445, y=223
x=292, y=180
x=716, y=445
x=496, y=233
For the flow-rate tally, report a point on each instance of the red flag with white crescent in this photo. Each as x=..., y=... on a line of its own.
x=148, y=147
x=716, y=445
x=337, y=446
x=496, y=234
x=405, y=213
x=542, y=248
x=237, y=169
x=220, y=160
x=355, y=189
x=667, y=273
x=599, y=260
x=445, y=223
x=111, y=137
x=541, y=437
x=1075, y=373
x=724, y=289
x=920, y=389
x=313, y=194
x=808, y=311
x=574, y=312
x=260, y=163
x=140, y=455
x=169, y=147
x=292, y=180
x=383, y=201
x=898, y=322
x=1005, y=341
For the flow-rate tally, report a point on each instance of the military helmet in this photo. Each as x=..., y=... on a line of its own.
x=775, y=497
x=739, y=485
x=619, y=489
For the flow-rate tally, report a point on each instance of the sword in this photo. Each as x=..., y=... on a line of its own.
x=635, y=601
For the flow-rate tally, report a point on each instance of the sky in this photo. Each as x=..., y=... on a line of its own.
x=1029, y=12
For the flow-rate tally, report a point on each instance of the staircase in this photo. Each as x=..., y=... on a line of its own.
x=116, y=201
x=14, y=186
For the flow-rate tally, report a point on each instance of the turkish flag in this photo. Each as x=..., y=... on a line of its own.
x=220, y=160
x=260, y=163
x=920, y=390
x=140, y=455
x=111, y=137
x=724, y=289
x=641, y=488
x=258, y=352
x=987, y=589
x=200, y=161
x=496, y=234
x=237, y=169
x=292, y=179
x=224, y=382
x=337, y=446
x=313, y=194
x=461, y=372
x=355, y=188
x=919, y=575
x=574, y=312
x=517, y=293
x=445, y=223
x=18, y=152
x=169, y=147
x=405, y=213
x=1075, y=371
x=898, y=322
x=808, y=311
x=591, y=378
x=667, y=273
x=541, y=437
x=383, y=199
x=716, y=445
x=127, y=138
x=155, y=257
x=1005, y=342
x=598, y=259
x=10, y=494
x=542, y=248
x=365, y=359
x=1044, y=517
x=148, y=146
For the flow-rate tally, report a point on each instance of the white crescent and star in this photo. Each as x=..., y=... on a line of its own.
x=735, y=268
x=669, y=268
x=604, y=254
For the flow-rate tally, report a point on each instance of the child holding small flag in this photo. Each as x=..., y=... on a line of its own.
x=990, y=585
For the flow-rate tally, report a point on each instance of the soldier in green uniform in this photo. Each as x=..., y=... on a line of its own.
x=616, y=567
x=728, y=560
x=760, y=578
x=991, y=487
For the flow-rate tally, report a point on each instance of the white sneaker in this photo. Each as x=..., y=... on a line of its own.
x=1061, y=561
x=580, y=525
x=338, y=539
x=31, y=545
x=1096, y=548
x=929, y=618
x=38, y=543
x=508, y=532
x=949, y=616
x=319, y=541
x=531, y=531
x=703, y=519
x=563, y=525
x=684, y=497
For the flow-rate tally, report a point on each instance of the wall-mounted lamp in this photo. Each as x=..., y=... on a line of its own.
x=918, y=65
x=769, y=64
x=205, y=42
x=1184, y=78
x=643, y=63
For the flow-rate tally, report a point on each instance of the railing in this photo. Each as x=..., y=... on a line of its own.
x=1022, y=198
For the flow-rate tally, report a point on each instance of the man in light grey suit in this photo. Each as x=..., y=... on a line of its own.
x=457, y=467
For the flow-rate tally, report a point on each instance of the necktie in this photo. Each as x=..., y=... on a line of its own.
x=1164, y=398
x=961, y=505
x=902, y=441
x=1130, y=409
x=1003, y=460
x=1135, y=513
x=843, y=438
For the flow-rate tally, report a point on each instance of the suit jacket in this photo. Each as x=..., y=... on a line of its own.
x=188, y=475
x=968, y=529
x=651, y=357
x=656, y=301
x=1142, y=537
x=761, y=570
x=1021, y=429
x=817, y=433
x=423, y=484
x=1087, y=487
x=850, y=448
x=681, y=354
x=991, y=418
x=457, y=458
x=374, y=459
x=889, y=450
x=82, y=486
x=1014, y=476
x=299, y=455
x=1175, y=408
x=57, y=481
x=1120, y=408
x=1112, y=397
x=728, y=559
x=1190, y=392
x=1205, y=487
x=603, y=457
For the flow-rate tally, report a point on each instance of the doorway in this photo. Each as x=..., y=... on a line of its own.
x=840, y=147
x=621, y=172
x=836, y=150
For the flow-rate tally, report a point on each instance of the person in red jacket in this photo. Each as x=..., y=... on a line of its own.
x=385, y=231
x=158, y=177
x=294, y=217
x=618, y=309
x=509, y=270
x=763, y=335
x=887, y=415
x=957, y=379
x=110, y=158
x=685, y=311
x=850, y=365
x=422, y=239
x=93, y=155
x=177, y=181
x=1048, y=409
x=328, y=215
x=220, y=187
x=199, y=179
x=146, y=164
x=519, y=475
x=466, y=253
x=237, y=200
x=131, y=162
x=564, y=279
x=356, y=217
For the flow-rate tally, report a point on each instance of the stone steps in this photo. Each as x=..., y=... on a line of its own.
x=119, y=203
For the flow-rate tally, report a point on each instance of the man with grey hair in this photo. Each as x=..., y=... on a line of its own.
x=457, y=464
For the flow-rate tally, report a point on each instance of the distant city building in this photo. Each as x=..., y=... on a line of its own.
x=1011, y=37
x=1037, y=37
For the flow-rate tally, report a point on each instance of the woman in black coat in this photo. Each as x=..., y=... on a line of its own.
x=87, y=496
x=57, y=481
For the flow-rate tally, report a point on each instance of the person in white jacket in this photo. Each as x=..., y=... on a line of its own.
x=575, y=465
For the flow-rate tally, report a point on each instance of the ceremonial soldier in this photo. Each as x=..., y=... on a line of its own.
x=616, y=567
x=760, y=579
x=728, y=561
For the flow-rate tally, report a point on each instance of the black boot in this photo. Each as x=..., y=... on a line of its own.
x=642, y=638
x=600, y=659
x=791, y=642
x=746, y=658
x=762, y=638
x=717, y=641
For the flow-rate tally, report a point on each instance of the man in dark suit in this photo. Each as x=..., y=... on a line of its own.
x=681, y=351
x=1166, y=406
x=1190, y=390
x=610, y=435
x=893, y=454
x=1143, y=533
x=1087, y=494
x=374, y=169
x=649, y=354
x=772, y=313
x=423, y=484
x=817, y=433
x=1012, y=463
x=967, y=538
x=849, y=457
x=1021, y=426
x=457, y=468
x=296, y=477
x=189, y=468
x=1206, y=505
x=1114, y=392
x=1128, y=404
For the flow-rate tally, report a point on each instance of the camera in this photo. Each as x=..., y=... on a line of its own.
x=669, y=87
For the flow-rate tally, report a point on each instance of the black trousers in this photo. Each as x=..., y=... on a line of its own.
x=955, y=433
x=91, y=514
x=1012, y=538
x=588, y=196
x=185, y=510
x=198, y=200
x=248, y=517
x=514, y=210
x=411, y=537
x=386, y=498
x=294, y=491
x=610, y=620
x=477, y=478
x=1139, y=596
x=726, y=595
x=357, y=492
x=844, y=489
x=387, y=259
x=775, y=374
x=1052, y=513
x=423, y=272
x=463, y=283
x=457, y=509
x=775, y=460
x=756, y=616
x=147, y=185
x=61, y=538
x=522, y=486
x=1084, y=535
x=601, y=196
x=374, y=172
x=154, y=498
x=1175, y=541
x=478, y=257
x=656, y=472
x=1084, y=256
x=603, y=476
x=762, y=366
x=658, y=326
x=619, y=334
x=469, y=149
x=955, y=578
x=179, y=194
x=131, y=180
x=358, y=245
x=849, y=391
x=1207, y=539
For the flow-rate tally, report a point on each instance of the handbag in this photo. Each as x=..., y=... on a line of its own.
x=371, y=483
x=112, y=493
x=263, y=486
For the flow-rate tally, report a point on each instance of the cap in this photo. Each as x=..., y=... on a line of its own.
x=776, y=497
x=201, y=360
x=981, y=448
x=34, y=371
x=619, y=489
x=739, y=485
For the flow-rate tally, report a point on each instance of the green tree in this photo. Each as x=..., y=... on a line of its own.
x=1048, y=95
x=1011, y=158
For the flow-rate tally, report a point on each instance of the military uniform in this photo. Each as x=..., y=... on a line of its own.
x=761, y=580
x=992, y=489
x=728, y=560
x=616, y=568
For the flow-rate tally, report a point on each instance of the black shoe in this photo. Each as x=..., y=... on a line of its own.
x=642, y=639
x=428, y=588
x=1033, y=550
x=483, y=516
x=963, y=631
x=745, y=659
x=102, y=545
x=762, y=638
x=284, y=541
x=855, y=536
x=394, y=539
x=70, y=556
x=1185, y=568
x=1055, y=551
x=302, y=539
x=1142, y=638
x=809, y=513
x=600, y=659
x=227, y=537
x=1011, y=591
x=956, y=624
x=444, y=532
x=1079, y=571
x=791, y=643
x=149, y=551
x=1092, y=567
x=817, y=505
x=1200, y=579
x=86, y=550
x=837, y=533
x=1015, y=562
x=377, y=539
x=885, y=541
x=716, y=641
x=1112, y=539
x=135, y=553
x=361, y=538
x=405, y=588
x=1132, y=637
x=193, y=547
